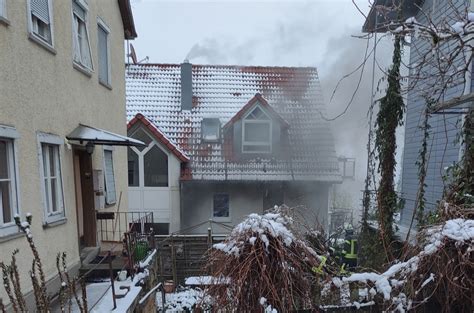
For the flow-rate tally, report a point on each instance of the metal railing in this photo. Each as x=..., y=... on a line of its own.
x=113, y=225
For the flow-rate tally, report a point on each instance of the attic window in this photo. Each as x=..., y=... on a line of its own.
x=257, y=132
x=210, y=129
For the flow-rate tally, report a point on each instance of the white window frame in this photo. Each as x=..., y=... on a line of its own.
x=141, y=162
x=49, y=216
x=268, y=121
x=31, y=31
x=109, y=200
x=79, y=64
x=221, y=218
x=103, y=25
x=12, y=135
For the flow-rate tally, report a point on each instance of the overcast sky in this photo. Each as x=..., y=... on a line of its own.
x=283, y=33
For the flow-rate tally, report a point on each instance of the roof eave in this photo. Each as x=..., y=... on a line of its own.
x=127, y=19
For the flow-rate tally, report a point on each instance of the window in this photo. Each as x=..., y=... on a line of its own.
x=155, y=167
x=221, y=206
x=133, y=169
x=9, y=197
x=257, y=132
x=110, y=193
x=3, y=9
x=141, y=135
x=210, y=129
x=51, y=176
x=40, y=20
x=104, y=52
x=81, y=48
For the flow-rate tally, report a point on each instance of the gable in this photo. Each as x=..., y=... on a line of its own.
x=257, y=101
x=159, y=136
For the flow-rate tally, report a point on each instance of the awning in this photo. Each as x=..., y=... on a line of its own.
x=86, y=134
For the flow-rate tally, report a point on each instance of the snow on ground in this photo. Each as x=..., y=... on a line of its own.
x=205, y=280
x=185, y=299
x=105, y=304
x=94, y=293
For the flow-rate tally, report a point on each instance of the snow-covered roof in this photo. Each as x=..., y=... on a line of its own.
x=294, y=93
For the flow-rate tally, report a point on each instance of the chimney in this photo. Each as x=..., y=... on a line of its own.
x=186, y=86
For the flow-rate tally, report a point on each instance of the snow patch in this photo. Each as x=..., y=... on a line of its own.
x=273, y=224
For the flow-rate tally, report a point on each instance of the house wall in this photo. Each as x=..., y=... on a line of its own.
x=442, y=147
x=41, y=91
x=309, y=199
x=164, y=202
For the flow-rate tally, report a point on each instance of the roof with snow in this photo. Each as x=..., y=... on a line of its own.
x=293, y=95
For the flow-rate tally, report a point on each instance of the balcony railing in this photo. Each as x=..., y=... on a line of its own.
x=113, y=225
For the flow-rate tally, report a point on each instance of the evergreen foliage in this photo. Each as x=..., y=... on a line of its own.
x=389, y=117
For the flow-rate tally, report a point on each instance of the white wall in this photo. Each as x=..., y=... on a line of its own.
x=164, y=202
x=247, y=198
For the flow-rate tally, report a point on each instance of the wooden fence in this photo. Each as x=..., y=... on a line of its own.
x=182, y=256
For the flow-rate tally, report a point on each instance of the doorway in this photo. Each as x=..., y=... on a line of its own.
x=86, y=215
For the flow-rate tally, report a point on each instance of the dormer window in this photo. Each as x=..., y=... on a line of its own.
x=210, y=129
x=257, y=132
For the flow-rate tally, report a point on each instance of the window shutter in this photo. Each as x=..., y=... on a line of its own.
x=103, y=57
x=78, y=10
x=39, y=8
x=109, y=178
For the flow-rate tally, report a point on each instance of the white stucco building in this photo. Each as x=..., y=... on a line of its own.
x=226, y=141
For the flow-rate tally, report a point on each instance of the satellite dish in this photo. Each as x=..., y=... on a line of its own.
x=132, y=54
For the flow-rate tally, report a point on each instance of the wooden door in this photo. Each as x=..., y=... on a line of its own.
x=89, y=221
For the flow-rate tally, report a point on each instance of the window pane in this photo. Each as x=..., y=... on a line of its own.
x=142, y=136
x=47, y=189
x=3, y=8
x=3, y=159
x=109, y=177
x=221, y=205
x=52, y=156
x=257, y=114
x=257, y=132
x=54, y=198
x=5, y=203
x=155, y=163
x=103, y=57
x=210, y=129
x=45, y=160
x=133, y=173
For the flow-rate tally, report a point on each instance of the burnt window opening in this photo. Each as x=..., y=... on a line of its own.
x=257, y=132
x=210, y=129
x=221, y=207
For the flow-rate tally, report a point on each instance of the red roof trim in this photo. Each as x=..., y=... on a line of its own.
x=245, y=108
x=159, y=136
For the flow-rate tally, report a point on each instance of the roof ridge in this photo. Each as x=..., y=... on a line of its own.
x=236, y=66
